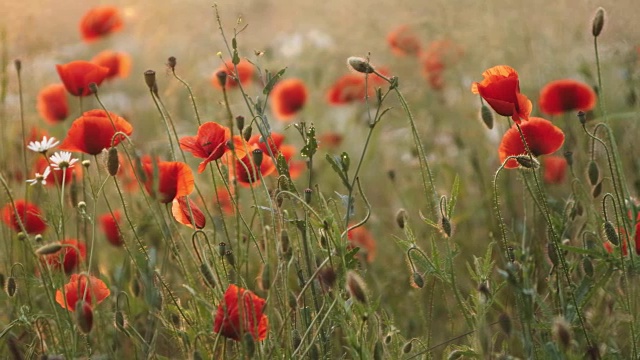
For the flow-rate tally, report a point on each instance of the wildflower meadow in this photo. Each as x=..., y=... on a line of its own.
x=320, y=180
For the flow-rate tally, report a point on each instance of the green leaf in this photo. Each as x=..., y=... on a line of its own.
x=336, y=166
x=344, y=159
x=350, y=258
x=271, y=80
x=236, y=58
x=234, y=43
x=312, y=145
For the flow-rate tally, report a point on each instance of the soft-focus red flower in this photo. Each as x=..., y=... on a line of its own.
x=245, y=170
x=55, y=177
x=329, y=140
x=555, y=169
x=362, y=238
x=183, y=208
x=209, y=144
x=565, y=95
x=223, y=198
x=241, y=311
x=77, y=75
x=175, y=179
x=100, y=21
x=296, y=167
x=351, y=88
x=69, y=257
x=28, y=213
x=52, y=103
x=92, y=132
x=245, y=74
x=110, y=226
x=403, y=41
x=434, y=60
x=288, y=97
x=501, y=89
x=275, y=141
x=541, y=135
x=78, y=288
x=609, y=247
x=118, y=63
x=35, y=134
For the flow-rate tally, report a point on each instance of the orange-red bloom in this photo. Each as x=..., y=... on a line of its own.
x=362, y=238
x=560, y=96
x=541, y=135
x=501, y=89
x=223, y=198
x=29, y=214
x=434, y=60
x=52, y=103
x=555, y=169
x=55, y=177
x=77, y=75
x=118, y=63
x=175, y=179
x=240, y=312
x=351, y=88
x=209, y=144
x=186, y=212
x=329, y=140
x=78, y=288
x=69, y=257
x=100, y=21
x=110, y=226
x=246, y=173
x=92, y=132
x=275, y=141
x=403, y=41
x=288, y=97
x=245, y=74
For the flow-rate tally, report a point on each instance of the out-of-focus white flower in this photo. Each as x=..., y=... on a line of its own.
x=44, y=145
x=62, y=160
x=40, y=178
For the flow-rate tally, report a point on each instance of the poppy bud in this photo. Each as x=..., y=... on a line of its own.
x=598, y=22
x=208, y=276
x=18, y=64
x=562, y=332
x=12, y=286
x=171, y=62
x=307, y=195
x=93, y=87
x=527, y=161
x=257, y=157
x=610, y=233
x=487, y=116
x=401, y=218
x=593, y=171
x=597, y=190
x=356, y=286
x=120, y=320
x=246, y=134
x=150, y=79
x=229, y=257
x=407, y=347
x=378, y=351
x=551, y=253
x=327, y=276
x=222, y=248
x=240, y=122
x=84, y=316
x=296, y=339
x=49, y=249
x=568, y=155
x=446, y=226
x=417, y=280
x=113, y=163
x=582, y=117
x=21, y=236
x=587, y=267
x=360, y=65
x=504, y=320
x=38, y=238
x=222, y=78
x=285, y=248
x=249, y=344
x=265, y=278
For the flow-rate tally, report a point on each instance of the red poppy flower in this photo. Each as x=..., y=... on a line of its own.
x=296, y=167
x=240, y=312
x=92, y=132
x=434, y=60
x=69, y=257
x=246, y=173
x=77, y=75
x=561, y=96
x=110, y=226
x=175, y=179
x=555, y=169
x=351, y=88
x=362, y=238
x=223, y=198
x=288, y=98
x=609, y=247
x=541, y=135
x=245, y=73
x=93, y=291
x=36, y=134
x=28, y=213
x=55, y=177
x=209, y=144
x=329, y=140
x=403, y=41
x=275, y=141
x=52, y=103
x=188, y=213
x=501, y=89
x=100, y=21
x=118, y=63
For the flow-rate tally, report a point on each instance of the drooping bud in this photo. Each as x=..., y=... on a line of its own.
x=551, y=253
x=417, y=280
x=527, y=161
x=12, y=286
x=49, y=249
x=327, y=276
x=246, y=134
x=446, y=226
x=229, y=257
x=587, y=267
x=265, y=278
x=249, y=344
x=360, y=65
x=598, y=22
x=285, y=247
x=504, y=320
x=562, y=332
x=487, y=116
x=113, y=163
x=84, y=316
x=120, y=320
x=568, y=155
x=407, y=347
x=93, y=87
x=593, y=172
x=207, y=274
x=356, y=286
x=610, y=233
x=401, y=218
x=378, y=351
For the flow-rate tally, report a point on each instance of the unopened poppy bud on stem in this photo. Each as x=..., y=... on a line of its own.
x=84, y=316
x=401, y=218
x=360, y=65
x=12, y=286
x=487, y=116
x=246, y=134
x=113, y=163
x=93, y=87
x=356, y=287
x=598, y=22
x=582, y=116
x=222, y=78
x=527, y=162
x=150, y=80
x=240, y=122
x=49, y=249
x=257, y=157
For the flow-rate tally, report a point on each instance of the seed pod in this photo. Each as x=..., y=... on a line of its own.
x=356, y=286
x=240, y=122
x=49, y=249
x=93, y=87
x=150, y=79
x=84, y=316
x=611, y=234
x=38, y=238
x=593, y=171
x=172, y=62
x=582, y=117
x=207, y=274
x=257, y=157
x=222, y=248
x=401, y=218
x=113, y=163
x=360, y=65
x=598, y=22
x=12, y=286
x=487, y=116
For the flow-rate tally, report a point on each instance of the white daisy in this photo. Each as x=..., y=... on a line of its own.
x=40, y=178
x=44, y=145
x=62, y=160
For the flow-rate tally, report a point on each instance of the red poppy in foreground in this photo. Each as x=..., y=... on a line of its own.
x=100, y=21
x=362, y=238
x=275, y=141
x=501, y=89
x=246, y=172
x=555, y=169
x=288, y=97
x=565, y=95
x=240, y=312
x=541, y=135
x=110, y=226
x=69, y=257
x=78, y=288
x=52, y=103
x=77, y=75
x=118, y=63
x=175, y=179
x=244, y=75
x=186, y=212
x=27, y=213
x=403, y=41
x=92, y=132
x=209, y=144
